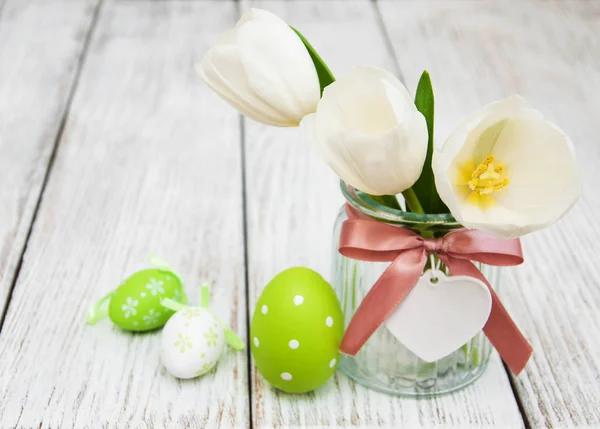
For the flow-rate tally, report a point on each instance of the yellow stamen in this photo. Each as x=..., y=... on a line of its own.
x=501, y=185
x=488, y=189
x=488, y=178
x=490, y=173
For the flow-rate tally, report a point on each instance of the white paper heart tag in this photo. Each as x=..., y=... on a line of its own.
x=438, y=317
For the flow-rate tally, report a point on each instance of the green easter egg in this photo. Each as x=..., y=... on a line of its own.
x=296, y=331
x=135, y=306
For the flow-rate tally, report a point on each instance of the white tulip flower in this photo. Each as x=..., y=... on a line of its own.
x=369, y=131
x=263, y=69
x=507, y=171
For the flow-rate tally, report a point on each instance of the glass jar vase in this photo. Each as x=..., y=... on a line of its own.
x=384, y=363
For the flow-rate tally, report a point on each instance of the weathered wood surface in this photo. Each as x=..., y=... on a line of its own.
x=478, y=52
x=293, y=199
x=36, y=79
x=149, y=162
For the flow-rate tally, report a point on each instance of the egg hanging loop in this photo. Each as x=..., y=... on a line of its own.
x=161, y=265
x=99, y=310
x=172, y=305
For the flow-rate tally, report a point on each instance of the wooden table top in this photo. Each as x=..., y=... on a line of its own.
x=112, y=149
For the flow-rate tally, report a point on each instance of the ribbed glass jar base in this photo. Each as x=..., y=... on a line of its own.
x=384, y=363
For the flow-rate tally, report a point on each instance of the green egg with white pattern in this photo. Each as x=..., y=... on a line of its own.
x=135, y=305
x=296, y=331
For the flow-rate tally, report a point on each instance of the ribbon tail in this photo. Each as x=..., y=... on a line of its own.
x=500, y=329
x=172, y=305
x=234, y=341
x=506, y=337
x=99, y=310
x=161, y=265
x=390, y=289
x=204, y=295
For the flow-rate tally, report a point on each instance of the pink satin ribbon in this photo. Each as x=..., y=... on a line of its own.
x=366, y=239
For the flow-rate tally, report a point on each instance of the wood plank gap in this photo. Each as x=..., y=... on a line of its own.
x=59, y=134
x=513, y=387
x=246, y=262
x=239, y=12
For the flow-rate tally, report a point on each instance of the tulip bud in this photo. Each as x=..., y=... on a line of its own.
x=369, y=131
x=262, y=68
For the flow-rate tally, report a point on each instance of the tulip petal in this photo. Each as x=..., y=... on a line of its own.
x=279, y=68
x=496, y=220
x=371, y=100
x=462, y=142
x=543, y=172
x=441, y=166
x=329, y=139
x=255, y=14
x=232, y=99
x=381, y=161
x=330, y=153
x=233, y=87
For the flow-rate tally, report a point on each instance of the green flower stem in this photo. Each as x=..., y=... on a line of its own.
x=412, y=202
x=387, y=200
x=476, y=361
x=414, y=205
x=465, y=350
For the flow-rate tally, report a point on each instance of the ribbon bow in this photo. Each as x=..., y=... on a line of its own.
x=366, y=239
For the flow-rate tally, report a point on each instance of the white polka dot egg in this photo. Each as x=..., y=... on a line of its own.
x=192, y=342
x=296, y=331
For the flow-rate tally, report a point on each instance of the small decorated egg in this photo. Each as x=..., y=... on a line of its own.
x=296, y=331
x=136, y=304
x=192, y=342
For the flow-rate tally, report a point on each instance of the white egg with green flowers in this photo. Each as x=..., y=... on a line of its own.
x=192, y=342
x=194, y=339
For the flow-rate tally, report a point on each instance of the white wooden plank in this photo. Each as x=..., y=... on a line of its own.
x=293, y=199
x=547, y=51
x=40, y=45
x=149, y=162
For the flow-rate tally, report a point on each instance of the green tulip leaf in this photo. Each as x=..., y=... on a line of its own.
x=325, y=75
x=424, y=187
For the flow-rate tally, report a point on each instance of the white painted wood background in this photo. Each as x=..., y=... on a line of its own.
x=111, y=149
